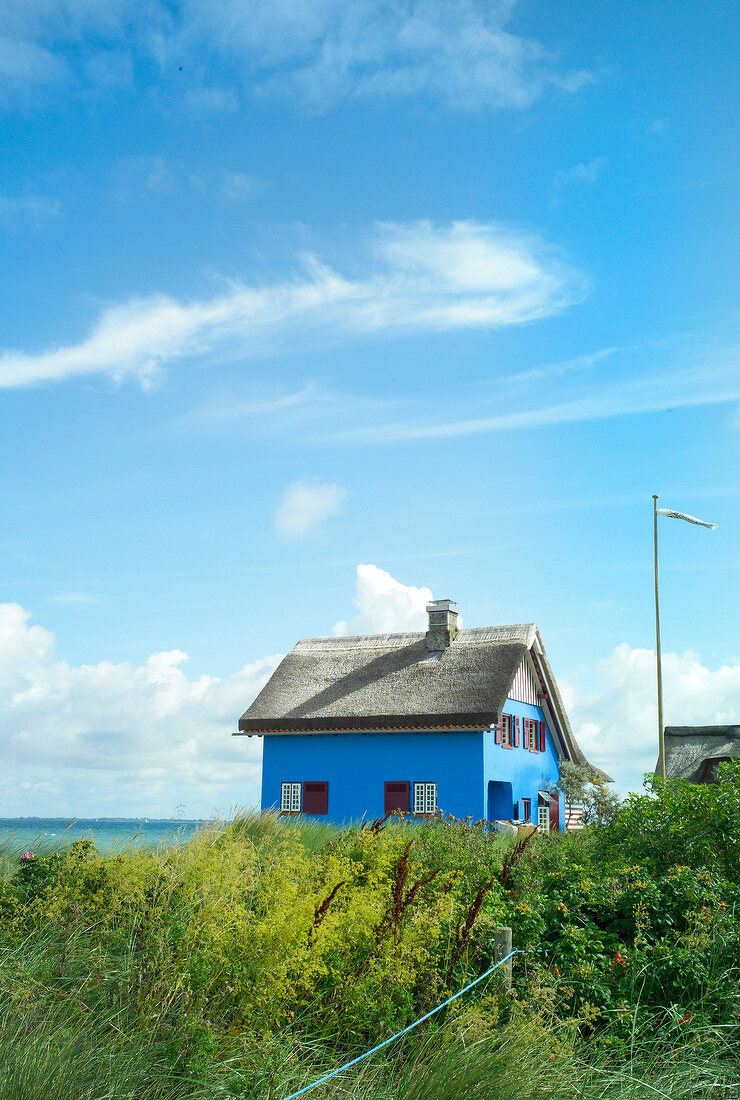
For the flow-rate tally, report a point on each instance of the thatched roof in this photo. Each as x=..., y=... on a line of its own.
x=688, y=747
x=392, y=682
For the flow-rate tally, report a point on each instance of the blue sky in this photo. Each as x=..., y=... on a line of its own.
x=444, y=291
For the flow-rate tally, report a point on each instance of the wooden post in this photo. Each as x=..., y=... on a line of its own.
x=502, y=948
x=661, y=733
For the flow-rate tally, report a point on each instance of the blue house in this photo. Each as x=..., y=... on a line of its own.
x=468, y=722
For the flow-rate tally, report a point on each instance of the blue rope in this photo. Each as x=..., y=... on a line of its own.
x=347, y=1065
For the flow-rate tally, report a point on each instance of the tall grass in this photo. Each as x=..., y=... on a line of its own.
x=128, y=975
x=526, y=1059
x=68, y=1030
x=257, y=826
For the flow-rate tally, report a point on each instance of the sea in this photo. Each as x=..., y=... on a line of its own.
x=109, y=834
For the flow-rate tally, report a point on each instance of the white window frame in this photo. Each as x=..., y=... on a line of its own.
x=543, y=819
x=507, y=731
x=425, y=798
x=290, y=798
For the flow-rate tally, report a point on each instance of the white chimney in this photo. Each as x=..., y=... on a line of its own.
x=442, y=629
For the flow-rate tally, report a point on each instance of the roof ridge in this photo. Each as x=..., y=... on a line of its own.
x=718, y=729
x=340, y=641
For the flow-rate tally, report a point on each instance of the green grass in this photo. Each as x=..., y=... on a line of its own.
x=107, y=995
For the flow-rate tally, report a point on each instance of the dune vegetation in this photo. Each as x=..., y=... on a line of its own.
x=262, y=953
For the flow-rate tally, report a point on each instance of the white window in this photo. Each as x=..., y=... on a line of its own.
x=506, y=732
x=290, y=798
x=543, y=819
x=425, y=798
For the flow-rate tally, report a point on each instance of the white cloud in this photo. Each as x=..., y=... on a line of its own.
x=304, y=507
x=118, y=738
x=616, y=722
x=425, y=278
x=384, y=605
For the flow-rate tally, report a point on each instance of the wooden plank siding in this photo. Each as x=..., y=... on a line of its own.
x=574, y=815
x=525, y=688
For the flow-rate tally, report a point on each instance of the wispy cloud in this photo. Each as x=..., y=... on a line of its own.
x=585, y=173
x=74, y=599
x=422, y=278
x=35, y=210
x=25, y=66
x=305, y=506
x=460, y=53
x=228, y=184
x=138, y=176
x=284, y=410
x=715, y=380
x=562, y=367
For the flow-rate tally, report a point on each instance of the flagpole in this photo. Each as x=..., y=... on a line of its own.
x=661, y=736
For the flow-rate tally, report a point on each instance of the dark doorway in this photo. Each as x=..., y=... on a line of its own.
x=500, y=801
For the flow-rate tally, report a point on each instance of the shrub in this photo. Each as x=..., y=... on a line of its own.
x=677, y=822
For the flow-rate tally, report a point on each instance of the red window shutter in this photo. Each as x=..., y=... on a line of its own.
x=397, y=793
x=515, y=732
x=526, y=732
x=499, y=732
x=543, y=742
x=316, y=798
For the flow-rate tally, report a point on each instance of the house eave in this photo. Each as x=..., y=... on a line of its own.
x=369, y=724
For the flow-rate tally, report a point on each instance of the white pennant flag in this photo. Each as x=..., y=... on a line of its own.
x=689, y=519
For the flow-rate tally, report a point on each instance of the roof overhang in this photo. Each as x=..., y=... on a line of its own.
x=388, y=723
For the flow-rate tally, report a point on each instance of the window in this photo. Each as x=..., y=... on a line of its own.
x=525, y=811
x=396, y=796
x=533, y=735
x=316, y=797
x=290, y=798
x=543, y=819
x=425, y=798
x=507, y=731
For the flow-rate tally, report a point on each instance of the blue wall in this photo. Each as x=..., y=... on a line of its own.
x=527, y=772
x=357, y=765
